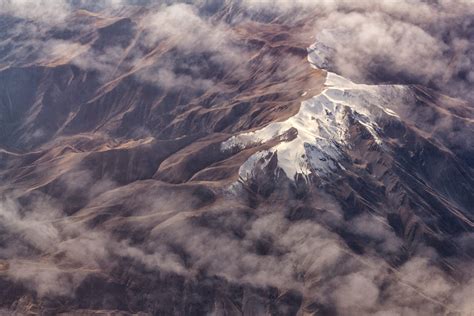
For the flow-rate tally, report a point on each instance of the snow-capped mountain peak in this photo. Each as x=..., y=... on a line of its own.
x=321, y=125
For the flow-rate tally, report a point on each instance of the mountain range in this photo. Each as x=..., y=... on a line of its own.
x=236, y=158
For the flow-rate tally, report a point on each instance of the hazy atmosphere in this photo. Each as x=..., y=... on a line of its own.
x=248, y=157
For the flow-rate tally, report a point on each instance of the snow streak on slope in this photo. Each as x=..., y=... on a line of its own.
x=322, y=125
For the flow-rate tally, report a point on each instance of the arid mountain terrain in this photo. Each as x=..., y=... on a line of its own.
x=236, y=157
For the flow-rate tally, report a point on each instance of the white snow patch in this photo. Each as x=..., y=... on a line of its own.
x=258, y=160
